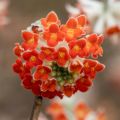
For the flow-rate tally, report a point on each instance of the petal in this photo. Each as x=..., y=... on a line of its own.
x=68, y=90
x=52, y=85
x=44, y=86
x=27, y=81
x=53, y=28
x=99, y=67
x=76, y=66
x=27, y=35
x=92, y=38
x=100, y=39
x=52, y=42
x=91, y=63
x=52, y=17
x=17, y=68
x=62, y=56
x=81, y=20
x=26, y=55
x=71, y=23
x=18, y=49
x=82, y=43
x=83, y=88
x=36, y=88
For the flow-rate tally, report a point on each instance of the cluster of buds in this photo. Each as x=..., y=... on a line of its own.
x=80, y=112
x=54, y=58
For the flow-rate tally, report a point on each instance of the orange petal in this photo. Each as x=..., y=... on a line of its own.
x=68, y=90
x=27, y=35
x=53, y=41
x=100, y=39
x=52, y=17
x=100, y=67
x=82, y=42
x=92, y=38
x=71, y=23
x=53, y=28
x=81, y=20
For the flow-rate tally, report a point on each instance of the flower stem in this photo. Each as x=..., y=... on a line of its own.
x=36, y=108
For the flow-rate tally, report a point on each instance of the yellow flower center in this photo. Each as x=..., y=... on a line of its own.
x=33, y=58
x=70, y=33
x=42, y=71
x=61, y=54
x=92, y=69
x=47, y=51
x=30, y=41
x=86, y=65
x=53, y=36
x=76, y=48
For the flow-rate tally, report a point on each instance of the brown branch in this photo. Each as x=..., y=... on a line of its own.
x=36, y=108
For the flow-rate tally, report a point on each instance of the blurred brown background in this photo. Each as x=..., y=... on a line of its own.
x=15, y=102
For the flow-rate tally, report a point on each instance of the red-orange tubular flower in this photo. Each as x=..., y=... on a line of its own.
x=54, y=59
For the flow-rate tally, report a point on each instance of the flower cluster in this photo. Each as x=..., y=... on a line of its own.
x=80, y=112
x=3, y=12
x=54, y=58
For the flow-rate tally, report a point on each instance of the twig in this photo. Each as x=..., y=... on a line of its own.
x=36, y=108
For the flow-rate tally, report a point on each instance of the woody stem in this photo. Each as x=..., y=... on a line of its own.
x=36, y=108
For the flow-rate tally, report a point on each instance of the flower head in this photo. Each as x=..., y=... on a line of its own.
x=53, y=59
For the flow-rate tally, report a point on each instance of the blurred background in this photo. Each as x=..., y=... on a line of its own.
x=15, y=102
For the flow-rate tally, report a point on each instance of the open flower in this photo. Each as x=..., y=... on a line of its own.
x=42, y=73
x=76, y=66
x=83, y=83
x=53, y=59
x=32, y=58
x=50, y=19
x=47, y=53
x=72, y=30
x=18, y=49
x=20, y=68
x=94, y=45
x=62, y=56
x=91, y=67
x=53, y=35
x=30, y=40
x=49, y=85
x=77, y=48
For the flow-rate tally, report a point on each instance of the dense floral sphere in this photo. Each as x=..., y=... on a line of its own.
x=53, y=59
